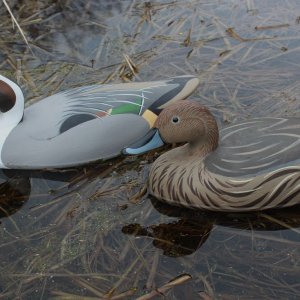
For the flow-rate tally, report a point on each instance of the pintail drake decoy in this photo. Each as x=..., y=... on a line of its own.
x=81, y=125
x=255, y=165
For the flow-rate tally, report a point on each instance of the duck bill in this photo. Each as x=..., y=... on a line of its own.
x=148, y=143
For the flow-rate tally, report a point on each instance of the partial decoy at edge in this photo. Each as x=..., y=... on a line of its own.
x=254, y=165
x=81, y=125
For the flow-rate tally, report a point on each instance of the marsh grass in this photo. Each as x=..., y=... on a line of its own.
x=75, y=234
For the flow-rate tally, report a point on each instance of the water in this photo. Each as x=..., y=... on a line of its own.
x=77, y=232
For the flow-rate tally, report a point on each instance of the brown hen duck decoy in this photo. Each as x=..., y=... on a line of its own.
x=254, y=165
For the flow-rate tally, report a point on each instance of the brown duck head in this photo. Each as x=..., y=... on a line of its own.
x=184, y=122
x=188, y=121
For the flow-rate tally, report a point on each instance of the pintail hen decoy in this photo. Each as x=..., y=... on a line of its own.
x=83, y=124
x=254, y=165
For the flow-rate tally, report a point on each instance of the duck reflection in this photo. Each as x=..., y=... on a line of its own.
x=175, y=239
x=189, y=233
x=16, y=185
x=14, y=192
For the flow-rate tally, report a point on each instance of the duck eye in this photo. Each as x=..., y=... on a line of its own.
x=175, y=119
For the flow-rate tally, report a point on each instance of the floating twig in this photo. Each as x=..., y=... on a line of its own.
x=161, y=290
x=230, y=31
x=17, y=24
x=271, y=27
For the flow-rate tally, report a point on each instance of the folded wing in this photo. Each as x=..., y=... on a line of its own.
x=254, y=147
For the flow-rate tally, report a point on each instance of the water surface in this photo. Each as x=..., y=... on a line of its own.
x=80, y=232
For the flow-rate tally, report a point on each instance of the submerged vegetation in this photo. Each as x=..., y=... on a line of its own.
x=90, y=233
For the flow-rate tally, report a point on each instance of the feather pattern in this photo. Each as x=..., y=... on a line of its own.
x=190, y=183
x=255, y=147
x=256, y=165
x=96, y=100
x=85, y=124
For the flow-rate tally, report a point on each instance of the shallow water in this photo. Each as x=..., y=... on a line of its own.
x=80, y=232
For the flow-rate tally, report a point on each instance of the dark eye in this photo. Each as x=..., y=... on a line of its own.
x=175, y=119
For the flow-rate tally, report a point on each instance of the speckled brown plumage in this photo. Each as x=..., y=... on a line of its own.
x=259, y=170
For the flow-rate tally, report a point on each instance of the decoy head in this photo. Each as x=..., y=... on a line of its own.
x=11, y=100
x=184, y=121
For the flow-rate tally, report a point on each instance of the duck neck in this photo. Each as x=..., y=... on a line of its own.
x=206, y=144
x=11, y=118
x=199, y=149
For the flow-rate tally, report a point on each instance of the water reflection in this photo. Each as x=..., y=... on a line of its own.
x=16, y=185
x=175, y=239
x=190, y=232
x=13, y=194
x=71, y=31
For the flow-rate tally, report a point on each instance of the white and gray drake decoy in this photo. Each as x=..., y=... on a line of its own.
x=84, y=124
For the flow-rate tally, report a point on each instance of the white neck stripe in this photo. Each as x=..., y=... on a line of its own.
x=10, y=119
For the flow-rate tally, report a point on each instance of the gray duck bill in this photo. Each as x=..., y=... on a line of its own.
x=154, y=142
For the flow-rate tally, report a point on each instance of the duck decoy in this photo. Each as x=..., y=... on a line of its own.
x=254, y=165
x=81, y=125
